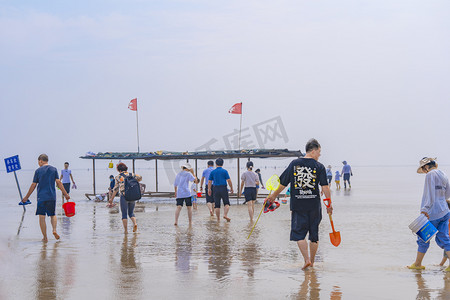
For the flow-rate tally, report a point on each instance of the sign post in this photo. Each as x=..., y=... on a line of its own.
x=12, y=165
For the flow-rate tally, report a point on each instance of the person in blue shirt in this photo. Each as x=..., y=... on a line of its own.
x=329, y=174
x=205, y=179
x=44, y=178
x=66, y=176
x=219, y=179
x=346, y=173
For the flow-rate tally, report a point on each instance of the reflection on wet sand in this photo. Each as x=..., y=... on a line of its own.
x=183, y=250
x=217, y=250
x=250, y=254
x=129, y=281
x=444, y=293
x=310, y=287
x=47, y=273
x=425, y=293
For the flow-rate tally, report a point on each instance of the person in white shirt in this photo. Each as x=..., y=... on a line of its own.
x=434, y=206
x=66, y=176
x=182, y=191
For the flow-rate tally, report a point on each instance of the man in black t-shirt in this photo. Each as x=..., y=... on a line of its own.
x=305, y=175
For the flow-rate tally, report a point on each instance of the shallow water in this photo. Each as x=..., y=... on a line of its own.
x=94, y=259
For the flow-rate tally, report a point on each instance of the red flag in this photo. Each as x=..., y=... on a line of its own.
x=236, y=109
x=133, y=104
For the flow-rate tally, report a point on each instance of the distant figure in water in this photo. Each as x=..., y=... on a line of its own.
x=66, y=176
x=208, y=196
x=44, y=178
x=346, y=172
x=434, y=206
x=258, y=172
x=337, y=180
x=250, y=180
x=304, y=176
x=217, y=182
x=329, y=174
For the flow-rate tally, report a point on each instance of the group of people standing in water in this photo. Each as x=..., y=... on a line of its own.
x=345, y=173
x=217, y=184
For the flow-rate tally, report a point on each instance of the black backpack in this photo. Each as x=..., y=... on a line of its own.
x=132, y=190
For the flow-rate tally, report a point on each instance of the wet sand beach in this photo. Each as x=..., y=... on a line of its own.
x=94, y=259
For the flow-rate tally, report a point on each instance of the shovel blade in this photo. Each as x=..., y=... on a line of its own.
x=335, y=238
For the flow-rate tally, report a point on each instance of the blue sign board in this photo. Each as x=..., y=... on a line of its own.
x=12, y=163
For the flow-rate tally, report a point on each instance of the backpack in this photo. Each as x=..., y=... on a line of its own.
x=132, y=188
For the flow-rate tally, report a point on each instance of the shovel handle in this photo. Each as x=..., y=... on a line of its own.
x=327, y=202
x=332, y=224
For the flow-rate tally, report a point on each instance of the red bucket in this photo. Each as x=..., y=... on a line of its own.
x=199, y=194
x=69, y=209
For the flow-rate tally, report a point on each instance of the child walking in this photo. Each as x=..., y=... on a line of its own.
x=194, y=194
x=44, y=178
x=337, y=180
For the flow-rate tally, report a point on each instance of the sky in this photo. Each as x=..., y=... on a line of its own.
x=368, y=79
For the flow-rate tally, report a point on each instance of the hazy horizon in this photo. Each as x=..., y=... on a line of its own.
x=368, y=79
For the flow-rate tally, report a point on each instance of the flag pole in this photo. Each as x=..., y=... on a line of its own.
x=240, y=129
x=137, y=125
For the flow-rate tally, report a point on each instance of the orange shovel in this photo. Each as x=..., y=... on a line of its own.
x=335, y=236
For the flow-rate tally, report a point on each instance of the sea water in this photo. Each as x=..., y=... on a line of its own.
x=95, y=260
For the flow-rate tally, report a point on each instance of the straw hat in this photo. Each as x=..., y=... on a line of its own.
x=423, y=162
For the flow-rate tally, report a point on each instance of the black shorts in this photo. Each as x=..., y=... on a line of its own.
x=188, y=200
x=221, y=193
x=67, y=187
x=209, y=199
x=250, y=193
x=347, y=177
x=46, y=208
x=305, y=221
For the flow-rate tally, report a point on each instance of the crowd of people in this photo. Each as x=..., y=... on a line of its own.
x=307, y=178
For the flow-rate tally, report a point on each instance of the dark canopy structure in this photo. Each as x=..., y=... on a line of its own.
x=171, y=155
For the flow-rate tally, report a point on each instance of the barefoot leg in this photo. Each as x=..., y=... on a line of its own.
x=43, y=228
x=177, y=214
x=312, y=251
x=303, y=246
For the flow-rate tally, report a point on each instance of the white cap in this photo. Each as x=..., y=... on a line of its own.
x=186, y=165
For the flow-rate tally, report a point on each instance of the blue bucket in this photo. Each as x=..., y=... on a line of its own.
x=423, y=228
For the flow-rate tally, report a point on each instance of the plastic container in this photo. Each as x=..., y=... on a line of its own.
x=69, y=209
x=284, y=200
x=199, y=194
x=423, y=228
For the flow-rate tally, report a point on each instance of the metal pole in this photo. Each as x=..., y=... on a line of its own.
x=137, y=125
x=156, y=173
x=93, y=174
x=238, y=176
x=20, y=192
x=133, y=167
x=240, y=129
x=196, y=168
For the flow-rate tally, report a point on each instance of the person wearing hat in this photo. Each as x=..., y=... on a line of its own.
x=183, y=192
x=329, y=174
x=346, y=173
x=434, y=206
x=250, y=180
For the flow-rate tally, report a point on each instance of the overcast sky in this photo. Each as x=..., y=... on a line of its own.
x=368, y=79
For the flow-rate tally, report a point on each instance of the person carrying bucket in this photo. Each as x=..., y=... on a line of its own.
x=304, y=176
x=434, y=207
x=44, y=178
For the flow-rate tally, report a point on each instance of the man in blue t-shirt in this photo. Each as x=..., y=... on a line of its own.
x=304, y=176
x=217, y=182
x=44, y=178
x=346, y=173
x=205, y=179
x=66, y=176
